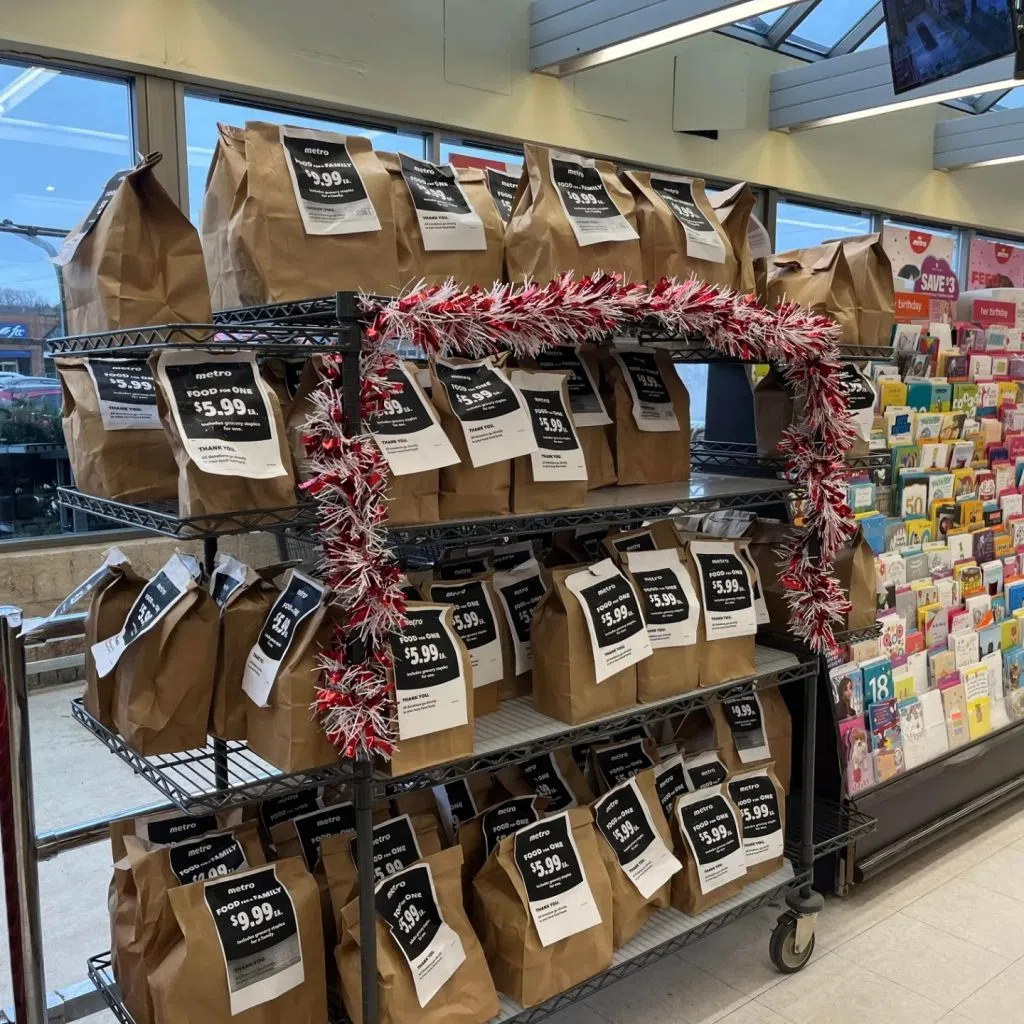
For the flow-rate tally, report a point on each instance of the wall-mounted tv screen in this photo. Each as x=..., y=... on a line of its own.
x=932, y=39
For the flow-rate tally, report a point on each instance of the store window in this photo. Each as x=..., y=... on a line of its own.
x=948, y=240
x=203, y=112
x=995, y=263
x=62, y=136
x=799, y=225
x=468, y=155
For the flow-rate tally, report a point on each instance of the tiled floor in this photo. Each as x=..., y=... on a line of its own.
x=939, y=938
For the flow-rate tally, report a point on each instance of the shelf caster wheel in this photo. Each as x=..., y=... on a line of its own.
x=784, y=950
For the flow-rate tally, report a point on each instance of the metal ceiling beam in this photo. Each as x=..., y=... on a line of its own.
x=859, y=31
x=988, y=101
x=859, y=85
x=993, y=138
x=789, y=21
x=567, y=36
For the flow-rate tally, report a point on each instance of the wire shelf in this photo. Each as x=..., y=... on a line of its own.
x=195, y=781
x=139, y=342
x=162, y=517
x=611, y=506
x=321, y=310
x=836, y=826
x=860, y=353
x=709, y=455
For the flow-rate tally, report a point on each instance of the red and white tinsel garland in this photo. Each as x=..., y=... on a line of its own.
x=351, y=476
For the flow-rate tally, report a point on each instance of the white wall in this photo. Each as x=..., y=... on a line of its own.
x=463, y=63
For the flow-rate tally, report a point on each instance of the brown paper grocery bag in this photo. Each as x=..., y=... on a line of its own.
x=646, y=456
x=287, y=732
x=761, y=800
x=554, y=775
x=338, y=862
x=242, y=613
x=467, y=997
x=108, y=608
x=564, y=679
x=131, y=465
x=155, y=871
x=734, y=208
x=191, y=984
x=857, y=573
x=597, y=449
x=521, y=966
x=163, y=683
x=134, y=260
x=201, y=492
x=819, y=279
x=477, y=266
x=540, y=241
x=766, y=540
x=776, y=730
x=774, y=411
x=693, y=819
x=679, y=230
x=234, y=280
x=873, y=288
x=631, y=910
x=293, y=264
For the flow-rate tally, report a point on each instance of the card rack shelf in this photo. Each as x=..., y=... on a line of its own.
x=223, y=775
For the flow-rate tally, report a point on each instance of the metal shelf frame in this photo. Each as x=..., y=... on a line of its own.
x=712, y=455
x=228, y=774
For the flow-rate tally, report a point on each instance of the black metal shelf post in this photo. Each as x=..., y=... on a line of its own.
x=227, y=774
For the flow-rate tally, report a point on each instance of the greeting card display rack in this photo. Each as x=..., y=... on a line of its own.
x=227, y=774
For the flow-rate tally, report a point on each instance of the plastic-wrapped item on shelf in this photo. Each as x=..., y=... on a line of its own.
x=244, y=598
x=574, y=214
x=680, y=235
x=163, y=661
x=487, y=422
x=434, y=971
x=155, y=871
x=446, y=223
x=819, y=279
x=226, y=432
x=588, y=409
x=761, y=800
x=432, y=675
x=651, y=411
x=116, y=444
x=134, y=260
x=709, y=842
x=636, y=847
x=542, y=906
x=672, y=611
x=281, y=676
x=249, y=948
x=554, y=476
x=326, y=236
x=589, y=633
x=481, y=626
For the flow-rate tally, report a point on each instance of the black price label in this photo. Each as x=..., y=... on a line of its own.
x=758, y=803
x=208, y=857
x=859, y=392
x=503, y=191
x=278, y=809
x=311, y=828
x=402, y=412
x=124, y=383
x=638, y=542
x=512, y=558
x=434, y=188
x=582, y=190
x=645, y=373
x=624, y=823
x=581, y=755
x=503, y=819
x=522, y=599
x=670, y=782
x=70, y=244
x=620, y=763
x=551, y=426
x=726, y=584
x=664, y=599
x=461, y=804
x=471, y=615
x=324, y=172
x=546, y=859
x=542, y=773
x=157, y=596
x=705, y=772
x=477, y=392
x=219, y=401
x=745, y=721
x=178, y=828
x=562, y=359
x=424, y=652
x=224, y=585
x=613, y=610
x=394, y=847
x=711, y=828
x=408, y=907
x=462, y=569
x=296, y=603
x=259, y=936
x=591, y=544
x=678, y=196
